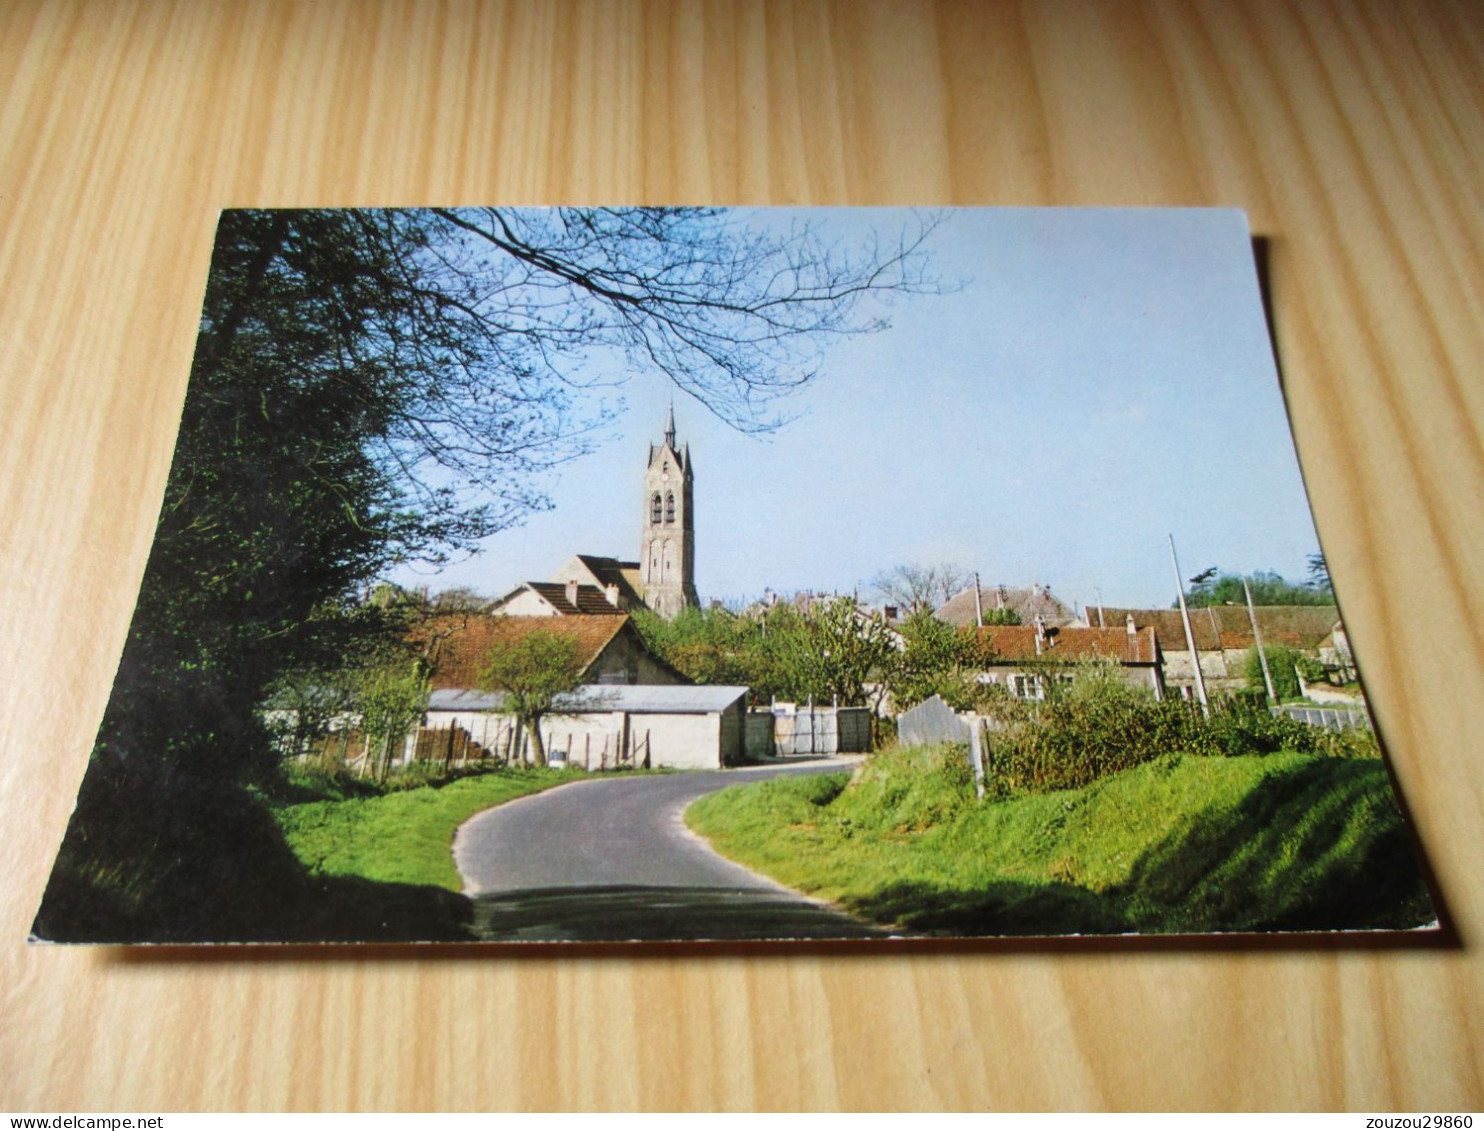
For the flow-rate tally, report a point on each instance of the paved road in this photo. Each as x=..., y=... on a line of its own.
x=611, y=858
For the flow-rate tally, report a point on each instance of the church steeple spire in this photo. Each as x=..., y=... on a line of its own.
x=667, y=548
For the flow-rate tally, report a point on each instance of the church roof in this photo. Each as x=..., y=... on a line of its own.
x=670, y=444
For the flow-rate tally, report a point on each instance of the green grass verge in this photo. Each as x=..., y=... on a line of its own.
x=402, y=837
x=1180, y=844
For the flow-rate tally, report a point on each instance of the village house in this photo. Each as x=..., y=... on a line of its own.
x=609, y=649
x=630, y=709
x=600, y=726
x=557, y=599
x=1025, y=657
x=965, y=609
x=1224, y=639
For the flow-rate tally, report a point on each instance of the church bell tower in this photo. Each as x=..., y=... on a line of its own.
x=668, y=546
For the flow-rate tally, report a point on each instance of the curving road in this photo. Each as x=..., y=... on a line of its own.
x=611, y=859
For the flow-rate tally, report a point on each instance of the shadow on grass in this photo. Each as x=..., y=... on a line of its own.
x=1320, y=847
x=174, y=861
x=1006, y=907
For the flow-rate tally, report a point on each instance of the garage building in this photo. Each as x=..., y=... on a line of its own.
x=602, y=725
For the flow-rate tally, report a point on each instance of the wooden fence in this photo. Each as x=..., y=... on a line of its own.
x=504, y=742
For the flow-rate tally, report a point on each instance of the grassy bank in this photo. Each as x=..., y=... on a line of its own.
x=149, y=859
x=1180, y=843
x=313, y=857
x=399, y=836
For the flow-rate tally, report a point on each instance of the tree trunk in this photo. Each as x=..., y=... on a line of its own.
x=537, y=745
x=386, y=759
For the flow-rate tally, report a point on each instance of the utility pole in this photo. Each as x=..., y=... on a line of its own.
x=1267, y=676
x=1195, y=656
x=978, y=604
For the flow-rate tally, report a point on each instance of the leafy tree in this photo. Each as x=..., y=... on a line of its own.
x=1268, y=588
x=712, y=646
x=1319, y=576
x=938, y=659
x=307, y=701
x=459, y=599
x=531, y=670
x=1282, y=662
x=391, y=699
x=1005, y=616
x=832, y=652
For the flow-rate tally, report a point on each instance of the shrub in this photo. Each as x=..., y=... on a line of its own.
x=1101, y=725
x=909, y=787
x=1281, y=663
x=1311, y=669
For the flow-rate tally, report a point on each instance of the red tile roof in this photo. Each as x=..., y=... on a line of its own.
x=1228, y=626
x=464, y=652
x=1017, y=644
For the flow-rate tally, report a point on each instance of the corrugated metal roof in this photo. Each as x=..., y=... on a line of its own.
x=649, y=698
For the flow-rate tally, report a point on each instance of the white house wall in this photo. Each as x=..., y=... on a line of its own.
x=683, y=742
x=527, y=603
x=595, y=739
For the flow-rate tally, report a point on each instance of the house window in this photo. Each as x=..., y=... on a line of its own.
x=1026, y=687
x=670, y=507
x=654, y=508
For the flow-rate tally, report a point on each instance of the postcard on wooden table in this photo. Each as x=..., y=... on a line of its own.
x=687, y=574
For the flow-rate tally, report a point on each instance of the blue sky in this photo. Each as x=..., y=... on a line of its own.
x=1101, y=379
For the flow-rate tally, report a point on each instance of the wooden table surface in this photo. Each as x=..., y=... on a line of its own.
x=1353, y=134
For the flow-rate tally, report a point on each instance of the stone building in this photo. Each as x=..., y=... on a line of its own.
x=667, y=544
x=1223, y=638
x=664, y=577
x=1026, y=656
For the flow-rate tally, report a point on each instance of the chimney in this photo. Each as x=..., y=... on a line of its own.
x=1040, y=633
x=611, y=590
x=1132, y=629
x=572, y=593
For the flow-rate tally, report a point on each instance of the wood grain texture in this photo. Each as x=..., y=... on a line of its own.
x=1352, y=133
